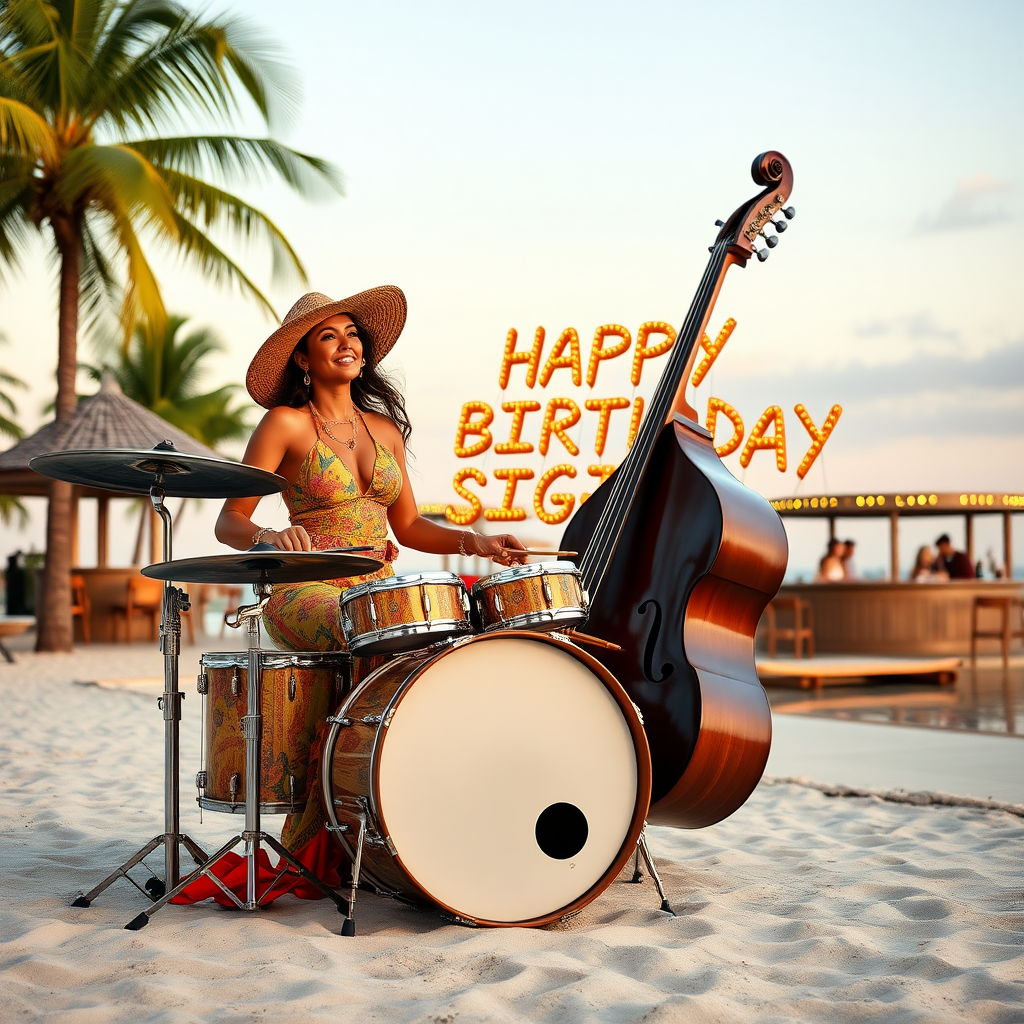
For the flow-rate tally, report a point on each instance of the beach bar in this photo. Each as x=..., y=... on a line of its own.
x=894, y=617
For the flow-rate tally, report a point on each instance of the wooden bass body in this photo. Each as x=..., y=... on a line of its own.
x=698, y=559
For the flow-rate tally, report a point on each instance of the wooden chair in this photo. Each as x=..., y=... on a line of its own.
x=81, y=606
x=1011, y=624
x=802, y=630
x=145, y=597
x=207, y=592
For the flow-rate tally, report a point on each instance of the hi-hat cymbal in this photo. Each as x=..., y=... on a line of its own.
x=179, y=474
x=266, y=567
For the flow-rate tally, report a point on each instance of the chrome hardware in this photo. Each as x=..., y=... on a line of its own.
x=338, y=802
x=291, y=685
x=338, y=828
x=465, y=602
x=291, y=791
x=201, y=778
x=334, y=720
x=250, y=726
x=639, y=713
x=370, y=719
x=373, y=610
x=586, y=600
x=425, y=597
x=235, y=786
x=498, y=606
x=546, y=587
x=203, y=682
x=236, y=683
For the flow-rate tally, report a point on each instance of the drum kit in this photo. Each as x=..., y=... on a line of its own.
x=490, y=768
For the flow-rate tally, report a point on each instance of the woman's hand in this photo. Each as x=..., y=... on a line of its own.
x=503, y=549
x=294, y=538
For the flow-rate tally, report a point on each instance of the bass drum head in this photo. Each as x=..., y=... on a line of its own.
x=507, y=779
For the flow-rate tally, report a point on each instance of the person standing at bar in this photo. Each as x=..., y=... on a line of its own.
x=956, y=563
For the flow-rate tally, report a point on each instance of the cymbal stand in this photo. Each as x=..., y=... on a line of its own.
x=175, y=601
x=252, y=835
x=644, y=850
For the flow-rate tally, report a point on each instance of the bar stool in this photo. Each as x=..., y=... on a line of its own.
x=81, y=607
x=802, y=630
x=1011, y=624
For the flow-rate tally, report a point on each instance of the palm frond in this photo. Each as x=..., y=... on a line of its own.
x=12, y=508
x=25, y=132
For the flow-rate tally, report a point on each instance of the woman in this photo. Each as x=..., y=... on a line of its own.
x=336, y=430
x=927, y=567
x=831, y=568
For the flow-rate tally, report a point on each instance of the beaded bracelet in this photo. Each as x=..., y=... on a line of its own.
x=260, y=534
x=462, y=542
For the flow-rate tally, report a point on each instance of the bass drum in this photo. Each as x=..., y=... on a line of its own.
x=503, y=778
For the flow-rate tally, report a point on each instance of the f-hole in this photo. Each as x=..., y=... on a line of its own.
x=652, y=639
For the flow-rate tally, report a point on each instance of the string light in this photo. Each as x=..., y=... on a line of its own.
x=565, y=500
x=598, y=352
x=559, y=427
x=634, y=422
x=467, y=425
x=712, y=350
x=757, y=441
x=514, y=446
x=507, y=513
x=511, y=357
x=716, y=406
x=464, y=515
x=642, y=351
x=604, y=406
x=557, y=361
x=818, y=437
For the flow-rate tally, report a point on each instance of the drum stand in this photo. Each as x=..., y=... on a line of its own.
x=174, y=602
x=252, y=835
x=643, y=850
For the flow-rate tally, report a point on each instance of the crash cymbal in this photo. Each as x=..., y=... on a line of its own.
x=179, y=474
x=266, y=567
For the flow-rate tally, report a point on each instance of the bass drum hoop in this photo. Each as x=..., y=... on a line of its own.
x=422, y=660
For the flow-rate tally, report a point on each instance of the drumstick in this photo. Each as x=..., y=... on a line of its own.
x=541, y=551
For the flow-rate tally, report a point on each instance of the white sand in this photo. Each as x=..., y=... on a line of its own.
x=799, y=907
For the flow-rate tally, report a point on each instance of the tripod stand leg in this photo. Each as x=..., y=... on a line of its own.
x=649, y=861
x=339, y=901
x=86, y=899
x=206, y=868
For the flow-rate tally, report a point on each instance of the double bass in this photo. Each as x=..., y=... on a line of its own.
x=680, y=560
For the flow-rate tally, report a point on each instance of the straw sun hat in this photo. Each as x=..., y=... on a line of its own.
x=380, y=311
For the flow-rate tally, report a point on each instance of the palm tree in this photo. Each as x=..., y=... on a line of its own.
x=10, y=506
x=98, y=104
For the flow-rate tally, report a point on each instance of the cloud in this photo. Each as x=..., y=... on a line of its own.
x=920, y=327
x=977, y=201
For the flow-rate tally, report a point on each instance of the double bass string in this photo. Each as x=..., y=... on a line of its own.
x=600, y=551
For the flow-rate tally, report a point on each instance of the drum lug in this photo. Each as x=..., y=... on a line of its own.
x=546, y=587
x=370, y=719
x=373, y=610
x=291, y=792
x=338, y=828
x=235, y=787
x=425, y=598
x=203, y=682
x=342, y=722
x=498, y=606
x=236, y=683
x=291, y=685
x=586, y=600
x=466, y=606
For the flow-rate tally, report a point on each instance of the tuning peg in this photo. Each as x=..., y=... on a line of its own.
x=719, y=223
x=789, y=212
x=762, y=254
x=780, y=225
x=771, y=240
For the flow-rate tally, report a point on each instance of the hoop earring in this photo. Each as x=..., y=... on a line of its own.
x=305, y=378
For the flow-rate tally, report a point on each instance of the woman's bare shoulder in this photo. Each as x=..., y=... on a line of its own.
x=285, y=418
x=384, y=429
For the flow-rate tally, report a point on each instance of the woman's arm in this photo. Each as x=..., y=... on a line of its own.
x=412, y=530
x=268, y=448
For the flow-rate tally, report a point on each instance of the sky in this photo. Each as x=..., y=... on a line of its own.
x=561, y=164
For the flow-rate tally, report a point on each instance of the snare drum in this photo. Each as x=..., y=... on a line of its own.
x=299, y=690
x=503, y=778
x=404, y=613
x=543, y=596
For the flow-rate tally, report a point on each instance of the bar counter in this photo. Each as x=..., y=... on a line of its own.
x=878, y=617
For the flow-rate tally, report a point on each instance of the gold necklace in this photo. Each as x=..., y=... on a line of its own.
x=350, y=445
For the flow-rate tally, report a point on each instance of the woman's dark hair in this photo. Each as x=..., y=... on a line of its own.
x=372, y=390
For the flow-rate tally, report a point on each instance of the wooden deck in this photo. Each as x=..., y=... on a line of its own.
x=833, y=670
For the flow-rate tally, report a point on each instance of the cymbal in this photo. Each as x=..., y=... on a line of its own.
x=265, y=567
x=136, y=470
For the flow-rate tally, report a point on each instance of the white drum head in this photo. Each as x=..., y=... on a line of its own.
x=508, y=779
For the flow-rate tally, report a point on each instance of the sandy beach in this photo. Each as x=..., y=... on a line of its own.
x=801, y=906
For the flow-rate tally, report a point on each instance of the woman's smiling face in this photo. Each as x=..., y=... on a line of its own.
x=334, y=353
